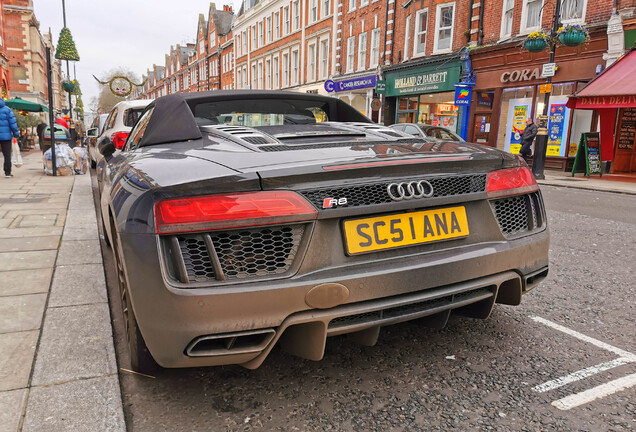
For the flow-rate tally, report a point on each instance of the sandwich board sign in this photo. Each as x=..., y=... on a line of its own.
x=588, y=155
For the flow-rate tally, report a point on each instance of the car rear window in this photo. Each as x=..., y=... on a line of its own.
x=131, y=115
x=261, y=112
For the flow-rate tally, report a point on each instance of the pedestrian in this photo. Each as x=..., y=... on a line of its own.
x=40, y=131
x=8, y=130
x=527, y=137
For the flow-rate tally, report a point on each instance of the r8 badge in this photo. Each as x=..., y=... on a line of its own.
x=333, y=202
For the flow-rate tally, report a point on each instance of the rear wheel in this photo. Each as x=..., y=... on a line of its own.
x=140, y=358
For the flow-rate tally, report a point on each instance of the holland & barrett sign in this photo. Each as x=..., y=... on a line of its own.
x=432, y=79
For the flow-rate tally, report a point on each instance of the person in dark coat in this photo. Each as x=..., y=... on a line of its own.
x=40, y=131
x=8, y=130
x=527, y=137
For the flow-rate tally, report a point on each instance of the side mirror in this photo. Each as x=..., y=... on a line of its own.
x=91, y=132
x=107, y=147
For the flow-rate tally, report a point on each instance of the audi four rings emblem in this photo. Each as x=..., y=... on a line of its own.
x=410, y=190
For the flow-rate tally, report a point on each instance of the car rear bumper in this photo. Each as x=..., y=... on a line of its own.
x=239, y=324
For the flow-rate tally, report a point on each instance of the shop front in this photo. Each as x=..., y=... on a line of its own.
x=424, y=93
x=510, y=88
x=612, y=95
x=357, y=91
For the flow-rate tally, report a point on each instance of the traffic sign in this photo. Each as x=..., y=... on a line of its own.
x=548, y=70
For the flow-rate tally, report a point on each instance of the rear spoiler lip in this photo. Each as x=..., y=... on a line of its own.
x=394, y=162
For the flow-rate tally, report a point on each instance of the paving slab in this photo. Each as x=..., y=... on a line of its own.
x=49, y=219
x=80, y=406
x=16, y=357
x=25, y=281
x=76, y=343
x=79, y=252
x=86, y=233
x=21, y=313
x=29, y=244
x=5, y=223
x=78, y=285
x=27, y=260
x=29, y=232
x=16, y=213
x=11, y=408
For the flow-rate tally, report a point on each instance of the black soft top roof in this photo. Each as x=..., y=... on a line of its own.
x=173, y=119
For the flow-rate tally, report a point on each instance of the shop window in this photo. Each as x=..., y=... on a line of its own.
x=506, y=19
x=421, y=20
x=573, y=11
x=444, y=27
x=531, y=15
x=516, y=107
x=558, y=118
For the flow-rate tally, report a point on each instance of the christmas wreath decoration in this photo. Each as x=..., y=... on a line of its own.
x=120, y=85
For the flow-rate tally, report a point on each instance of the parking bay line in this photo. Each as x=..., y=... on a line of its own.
x=575, y=400
x=594, y=393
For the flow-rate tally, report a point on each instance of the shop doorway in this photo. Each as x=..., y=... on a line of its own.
x=481, y=131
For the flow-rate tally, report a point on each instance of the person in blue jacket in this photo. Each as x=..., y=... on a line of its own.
x=8, y=130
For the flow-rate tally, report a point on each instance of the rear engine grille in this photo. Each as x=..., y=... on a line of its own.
x=518, y=214
x=376, y=193
x=238, y=254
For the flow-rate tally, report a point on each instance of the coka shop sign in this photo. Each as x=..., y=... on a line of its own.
x=424, y=80
x=520, y=75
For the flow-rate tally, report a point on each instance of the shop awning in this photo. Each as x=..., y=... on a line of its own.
x=613, y=88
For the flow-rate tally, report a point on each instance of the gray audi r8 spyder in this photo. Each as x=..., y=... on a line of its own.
x=240, y=220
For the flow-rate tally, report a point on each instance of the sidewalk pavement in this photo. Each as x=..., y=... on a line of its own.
x=58, y=370
x=608, y=183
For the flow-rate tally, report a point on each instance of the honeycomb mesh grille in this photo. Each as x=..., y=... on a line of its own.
x=376, y=193
x=518, y=214
x=242, y=254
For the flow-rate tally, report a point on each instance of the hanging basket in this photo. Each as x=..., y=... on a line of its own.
x=535, y=45
x=68, y=86
x=572, y=38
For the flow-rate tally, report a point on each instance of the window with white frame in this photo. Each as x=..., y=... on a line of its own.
x=573, y=11
x=201, y=46
x=285, y=70
x=239, y=45
x=268, y=74
x=444, y=27
x=352, y=5
x=296, y=15
x=421, y=26
x=276, y=25
x=260, y=34
x=362, y=51
x=286, y=20
x=313, y=10
x=212, y=39
x=254, y=76
x=531, y=15
x=351, y=53
x=268, y=23
x=244, y=76
x=407, y=37
x=244, y=50
x=186, y=81
x=275, y=73
x=254, y=46
x=294, y=68
x=324, y=58
x=326, y=6
x=364, y=3
x=239, y=77
x=507, y=17
x=311, y=62
x=375, y=48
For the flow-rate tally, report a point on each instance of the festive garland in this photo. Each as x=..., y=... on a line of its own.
x=120, y=85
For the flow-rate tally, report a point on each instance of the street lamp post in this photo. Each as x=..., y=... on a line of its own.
x=541, y=143
x=68, y=72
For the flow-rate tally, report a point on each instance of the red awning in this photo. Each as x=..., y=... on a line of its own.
x=614, y=88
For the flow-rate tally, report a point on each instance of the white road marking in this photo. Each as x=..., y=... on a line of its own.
x=597, y=392
x=581, y=336
x=581, y=374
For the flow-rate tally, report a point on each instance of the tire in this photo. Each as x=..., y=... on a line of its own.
x=140, y=358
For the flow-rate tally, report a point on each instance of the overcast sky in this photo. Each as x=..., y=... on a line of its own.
x=130, y=34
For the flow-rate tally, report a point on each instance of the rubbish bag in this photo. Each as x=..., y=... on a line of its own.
x=16, y=157
x=64, y=160
x=81, y=160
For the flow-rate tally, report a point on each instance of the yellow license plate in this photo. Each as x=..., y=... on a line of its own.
x=405, y=229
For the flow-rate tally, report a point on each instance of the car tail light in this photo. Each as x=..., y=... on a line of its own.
x=511, y=181
x=231, y=211
x=119, y=139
